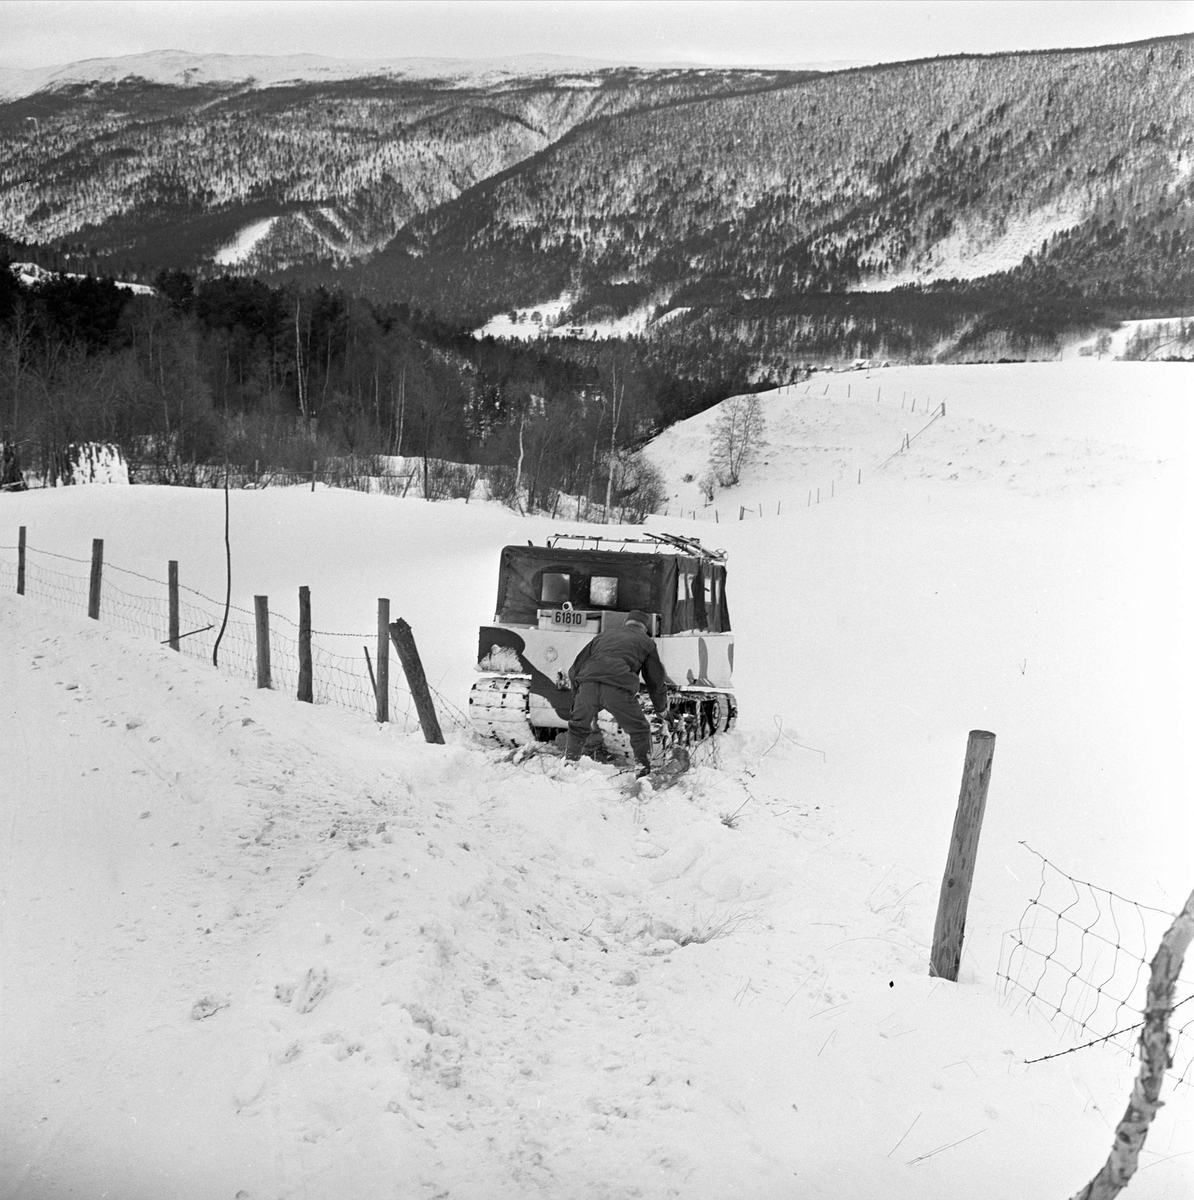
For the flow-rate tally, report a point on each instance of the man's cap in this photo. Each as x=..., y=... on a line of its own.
x=641, y=617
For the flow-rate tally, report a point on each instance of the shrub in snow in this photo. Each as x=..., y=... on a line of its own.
x=638, y=487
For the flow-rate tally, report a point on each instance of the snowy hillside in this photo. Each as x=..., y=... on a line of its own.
x=30, y=274
x=364, y=966
x=544, y=320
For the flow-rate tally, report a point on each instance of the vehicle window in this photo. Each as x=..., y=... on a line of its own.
x=603, y=590
x=555, y=588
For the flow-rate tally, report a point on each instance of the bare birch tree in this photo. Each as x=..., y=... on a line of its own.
x=1154, y=1061
x=617, y=399
x=737, y=431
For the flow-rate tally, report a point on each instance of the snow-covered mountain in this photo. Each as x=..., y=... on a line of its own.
x=184, y=69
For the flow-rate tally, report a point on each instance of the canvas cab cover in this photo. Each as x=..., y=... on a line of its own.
x=687, y=591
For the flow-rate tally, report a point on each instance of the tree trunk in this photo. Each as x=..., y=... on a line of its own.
x=518, y=469
x=298, y=360
x=401, y=408
x=613, y=433
x=1154, y=1061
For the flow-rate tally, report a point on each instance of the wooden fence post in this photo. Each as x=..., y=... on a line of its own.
x=172, y=589
x=261, y=608
x=305, y=688
x=408, y=655
x=383, y=660
x=946, y=956
x=21, y=561
x=741, y=512
x=97, y=573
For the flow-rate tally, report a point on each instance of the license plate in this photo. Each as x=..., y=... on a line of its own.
x=568, y=619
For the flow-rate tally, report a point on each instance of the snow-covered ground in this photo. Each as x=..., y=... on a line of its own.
x=262, y=948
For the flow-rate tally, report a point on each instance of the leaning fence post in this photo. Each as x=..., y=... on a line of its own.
x=408, y=655
x=172, y=589
x=21, y=561
x=261, y=607
x=97, y=572
x=946, y=956
x=305, y=690
x=383, y=660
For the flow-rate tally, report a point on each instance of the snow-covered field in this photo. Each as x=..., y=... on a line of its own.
x=1126, y=331
x=525, y=327
x=258, y=948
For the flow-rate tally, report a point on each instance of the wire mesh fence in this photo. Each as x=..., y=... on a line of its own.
x=1080, y=957
x=138, y=604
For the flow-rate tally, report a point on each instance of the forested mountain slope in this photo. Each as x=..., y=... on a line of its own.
x=948, y=168
x=139, y=174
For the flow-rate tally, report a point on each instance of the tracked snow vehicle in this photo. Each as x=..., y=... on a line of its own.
x=553, y=599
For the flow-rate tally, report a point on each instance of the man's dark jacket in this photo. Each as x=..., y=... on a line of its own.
x=616, y=657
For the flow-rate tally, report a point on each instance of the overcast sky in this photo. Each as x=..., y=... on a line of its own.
x=37, y=33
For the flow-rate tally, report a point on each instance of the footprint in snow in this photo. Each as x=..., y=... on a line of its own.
x=207, y=1007
x=311, y=991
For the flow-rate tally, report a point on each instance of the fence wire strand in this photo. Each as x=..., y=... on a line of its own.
x=337, y=679
x=1080, y=957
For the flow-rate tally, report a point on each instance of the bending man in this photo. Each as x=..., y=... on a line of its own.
x=606, y=675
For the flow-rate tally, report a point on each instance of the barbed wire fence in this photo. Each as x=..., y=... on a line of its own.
x=1080, y=956
x=138, y=604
